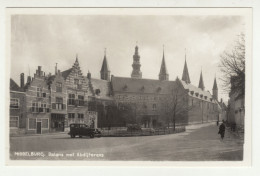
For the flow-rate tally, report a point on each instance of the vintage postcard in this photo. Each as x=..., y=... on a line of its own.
x=129, y=86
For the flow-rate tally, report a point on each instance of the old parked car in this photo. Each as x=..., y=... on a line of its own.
x=79, y=129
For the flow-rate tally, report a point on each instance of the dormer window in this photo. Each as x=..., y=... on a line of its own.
x=97, y=91
x=201, y=95
x=197, y=94
x=205, y=97
x=125, y=87
x=192, y=92
x=210, y=99
x=159, y=89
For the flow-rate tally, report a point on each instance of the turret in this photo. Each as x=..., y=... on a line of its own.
x=136, y=73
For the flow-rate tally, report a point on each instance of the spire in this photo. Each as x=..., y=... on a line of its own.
x=201, y=82
x=215, y=89
x=136, y=73
x=76, y=63
x=215, y=86
x=104, y=72
x=185, y=74
x=163, y=75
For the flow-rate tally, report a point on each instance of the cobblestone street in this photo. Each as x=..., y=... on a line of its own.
x=198, y=143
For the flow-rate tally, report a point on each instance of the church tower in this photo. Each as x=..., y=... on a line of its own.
x=185, y=74
x=201, y=82
x=215, y=90
x=163, y=75
x=136, y=73
x=104, y=72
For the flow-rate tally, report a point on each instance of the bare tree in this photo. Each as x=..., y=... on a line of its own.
x=176, y=105
x=232, y=65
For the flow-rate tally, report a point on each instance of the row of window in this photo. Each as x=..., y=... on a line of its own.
x=122, y=107
x=39, y=107
x=32, y=123
x=73, y=101
x=40, y=93
x=71, y=118
x=201, y=104
x=14, y=103
x=144, y=98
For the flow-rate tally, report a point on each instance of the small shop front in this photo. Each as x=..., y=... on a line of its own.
x=57, y=122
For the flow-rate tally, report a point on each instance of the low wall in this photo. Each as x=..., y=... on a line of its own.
x=145, y=132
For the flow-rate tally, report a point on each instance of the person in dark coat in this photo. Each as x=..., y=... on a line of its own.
x=221, y=131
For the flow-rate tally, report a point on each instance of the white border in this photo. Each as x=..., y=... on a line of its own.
x=246, y=12
x=254, y=170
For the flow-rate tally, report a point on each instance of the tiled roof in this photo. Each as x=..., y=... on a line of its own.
x=129, y=85
x=14, y=86
x=50, y=79
x=66, y=73
x=193, y=90
x=103, y=85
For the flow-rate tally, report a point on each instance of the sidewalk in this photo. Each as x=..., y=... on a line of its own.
x=45, y=134
x=188, y=127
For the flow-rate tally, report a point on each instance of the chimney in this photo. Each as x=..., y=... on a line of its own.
x=29, y=79
x=89, y=75
x=22, y=80
x=56, y=69
x=39, y=70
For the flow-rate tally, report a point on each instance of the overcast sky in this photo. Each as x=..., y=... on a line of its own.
x=48, y=39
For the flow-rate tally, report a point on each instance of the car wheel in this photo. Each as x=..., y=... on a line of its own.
x=91, y=136
x=80, y=136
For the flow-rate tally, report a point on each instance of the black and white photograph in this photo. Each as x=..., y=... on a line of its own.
x=129, y=84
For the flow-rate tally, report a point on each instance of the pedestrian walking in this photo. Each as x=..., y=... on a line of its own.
x=221, y=131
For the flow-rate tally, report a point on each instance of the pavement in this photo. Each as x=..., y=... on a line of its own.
x=199, y=143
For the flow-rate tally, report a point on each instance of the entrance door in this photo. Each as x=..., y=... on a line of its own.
x=154, y=123
x=39, y=127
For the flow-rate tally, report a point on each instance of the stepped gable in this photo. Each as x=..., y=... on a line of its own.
x=132, y=85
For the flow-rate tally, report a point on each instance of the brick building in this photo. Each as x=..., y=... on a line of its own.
x=17, y=110
x=151, y=100
x=236, y=107
x=52, y=102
